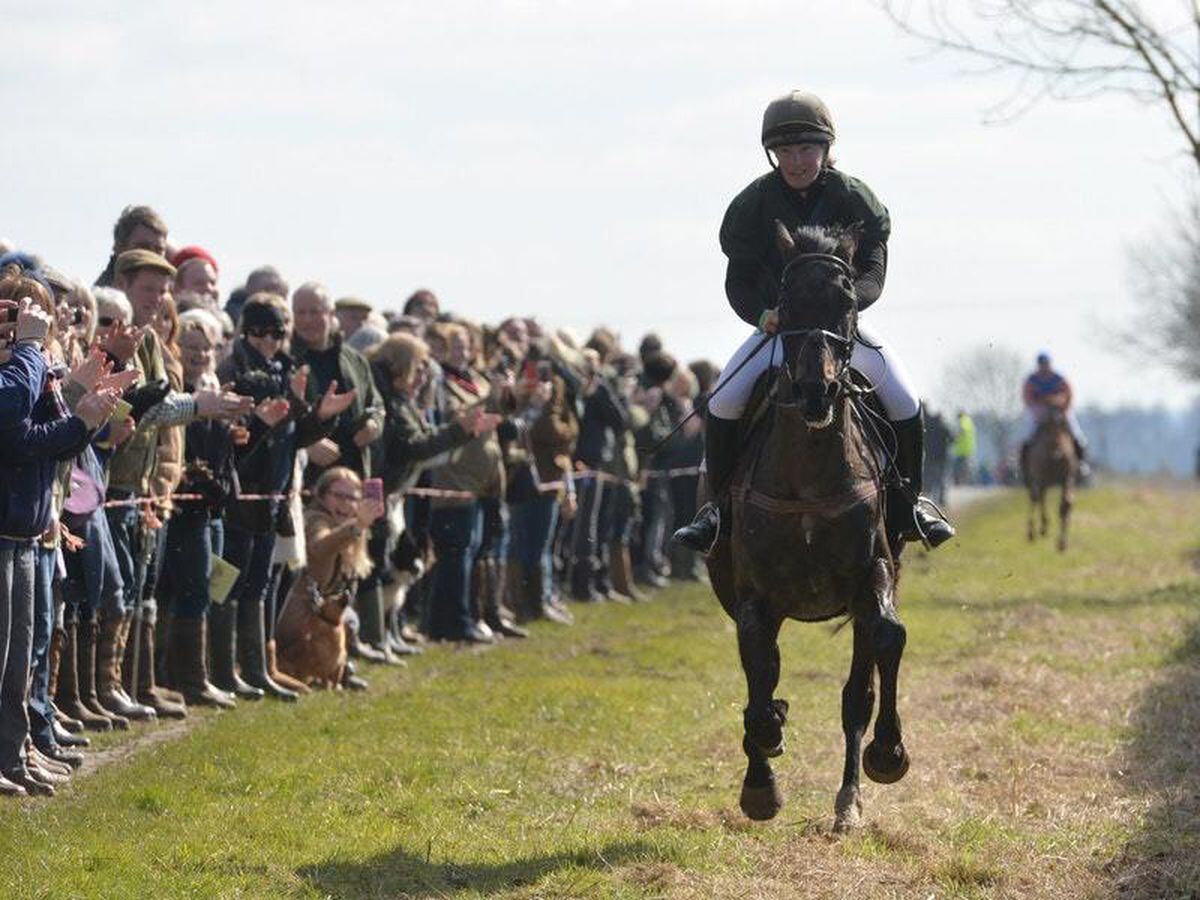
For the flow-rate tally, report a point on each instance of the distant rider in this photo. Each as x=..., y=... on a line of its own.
x=1046, y=390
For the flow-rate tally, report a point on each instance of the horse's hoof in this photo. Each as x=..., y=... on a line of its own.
x=761, y=803
x=847, y=810
x=885, y=768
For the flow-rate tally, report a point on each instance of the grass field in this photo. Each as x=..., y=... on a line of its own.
x=1051, y=705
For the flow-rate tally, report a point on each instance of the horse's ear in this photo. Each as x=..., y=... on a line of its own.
x=848, y=239
x=783, y=237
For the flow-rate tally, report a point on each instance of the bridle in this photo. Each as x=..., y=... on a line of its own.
x=843, y=343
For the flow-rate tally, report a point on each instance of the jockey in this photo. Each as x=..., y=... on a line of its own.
x=804, y=188
x=1043, y=391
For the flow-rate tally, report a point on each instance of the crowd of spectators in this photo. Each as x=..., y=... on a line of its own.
x=214, y=499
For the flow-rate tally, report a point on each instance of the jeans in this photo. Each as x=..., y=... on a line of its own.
x=497, y=529
x=125, y=525
x=250, y=553
x=40, y=714
x=193, y=539
x=457, y=532
x=93, y=581
x=656, y=510
x=532, y=544
x=17, y=583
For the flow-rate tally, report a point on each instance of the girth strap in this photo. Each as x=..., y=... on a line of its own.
x=827, y=507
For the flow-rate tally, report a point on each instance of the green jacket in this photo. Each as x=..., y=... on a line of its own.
x=353, y=372
x=748, y=236
x=132, y=463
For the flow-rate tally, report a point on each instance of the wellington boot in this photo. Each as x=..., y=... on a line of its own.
x=222, y=620
x=372, y=627
x=86, y=669
x=147, y=690
x=251, y=651
x=187, y=664
x=110, y=648
x=64, y=738
x=64, y=722
x=496, y=612
x=77, y=665
x=54, y=659
x=282, y=678
x=622, y=571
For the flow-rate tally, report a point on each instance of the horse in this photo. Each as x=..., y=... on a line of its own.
x=808, y=539
x=1051, y=462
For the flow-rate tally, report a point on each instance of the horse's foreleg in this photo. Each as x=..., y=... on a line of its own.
x=885, y=759
x=858, y=700
x=758, y=633
x=764, y=717
x=1033, y=501
x=1042, y=513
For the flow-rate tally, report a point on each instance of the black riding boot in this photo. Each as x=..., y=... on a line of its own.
x=720, y=451
x=920, y=521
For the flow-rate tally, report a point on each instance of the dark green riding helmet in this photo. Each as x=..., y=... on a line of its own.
x=797, y=118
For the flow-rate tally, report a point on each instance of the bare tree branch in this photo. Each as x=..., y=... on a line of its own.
x=1070, y=50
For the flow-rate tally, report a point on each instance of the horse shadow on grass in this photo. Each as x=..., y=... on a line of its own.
x=1163, y=763
x=400, y=872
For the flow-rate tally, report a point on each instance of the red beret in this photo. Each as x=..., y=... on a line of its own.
x=192, y=251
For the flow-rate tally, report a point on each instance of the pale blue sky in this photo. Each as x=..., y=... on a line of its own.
x=573, y=161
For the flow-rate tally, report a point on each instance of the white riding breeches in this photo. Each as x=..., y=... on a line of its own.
x=870, y=359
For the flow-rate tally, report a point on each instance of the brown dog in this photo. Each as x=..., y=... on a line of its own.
x=311, y=635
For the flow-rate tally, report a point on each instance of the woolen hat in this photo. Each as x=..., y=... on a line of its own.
x=193, y=251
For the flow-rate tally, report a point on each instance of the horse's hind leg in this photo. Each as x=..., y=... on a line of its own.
x=1044, y=515
x=885, y=759
x=1064, y=512
x=764, y=716
x=1032, y=510
x=858, y=700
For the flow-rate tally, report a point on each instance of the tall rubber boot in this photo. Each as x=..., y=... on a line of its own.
x=497, y=615
x=187, y=667
x=110, y=649
x=915, y=518
x=147, y=690
x=372, y=627
x=222, y=668
x=67, y=697
x=720, y=452
x=252, y=651
x=622, y=571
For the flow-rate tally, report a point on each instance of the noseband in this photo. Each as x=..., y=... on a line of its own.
x=845, y=345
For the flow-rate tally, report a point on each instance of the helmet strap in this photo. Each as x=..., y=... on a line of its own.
x=770, y=159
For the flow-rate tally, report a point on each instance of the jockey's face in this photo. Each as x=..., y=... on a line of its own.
x=800, y=164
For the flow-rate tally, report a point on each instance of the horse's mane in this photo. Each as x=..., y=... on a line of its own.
x=836, y=240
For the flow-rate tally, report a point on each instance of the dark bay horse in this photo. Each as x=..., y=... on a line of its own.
x=1051, y=462
x=807, y=539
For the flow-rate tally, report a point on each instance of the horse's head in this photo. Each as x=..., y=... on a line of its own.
x=818, y=314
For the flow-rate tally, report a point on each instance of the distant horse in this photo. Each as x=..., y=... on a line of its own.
x=808, y=539
x=1051, y=462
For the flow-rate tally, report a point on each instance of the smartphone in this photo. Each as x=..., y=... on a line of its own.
x=120, y=411
x=372, y=489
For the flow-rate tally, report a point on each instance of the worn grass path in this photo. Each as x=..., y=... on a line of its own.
x=1052, y=708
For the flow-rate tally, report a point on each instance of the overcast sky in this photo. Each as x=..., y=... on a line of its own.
x=573, y=161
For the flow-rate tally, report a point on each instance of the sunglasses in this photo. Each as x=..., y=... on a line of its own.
x=352, y=498
x=105, y=321
x=261, y=332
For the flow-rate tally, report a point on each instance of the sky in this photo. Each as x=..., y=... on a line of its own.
x=573, y=160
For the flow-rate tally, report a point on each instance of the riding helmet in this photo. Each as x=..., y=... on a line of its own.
x=797, y=118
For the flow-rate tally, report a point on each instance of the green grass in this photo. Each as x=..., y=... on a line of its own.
x=1050, y=703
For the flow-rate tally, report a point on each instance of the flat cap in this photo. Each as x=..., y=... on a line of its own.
x=132, y=260
x=353, y=303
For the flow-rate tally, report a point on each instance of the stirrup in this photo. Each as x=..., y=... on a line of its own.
x=925, y=508
x=709, y=508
